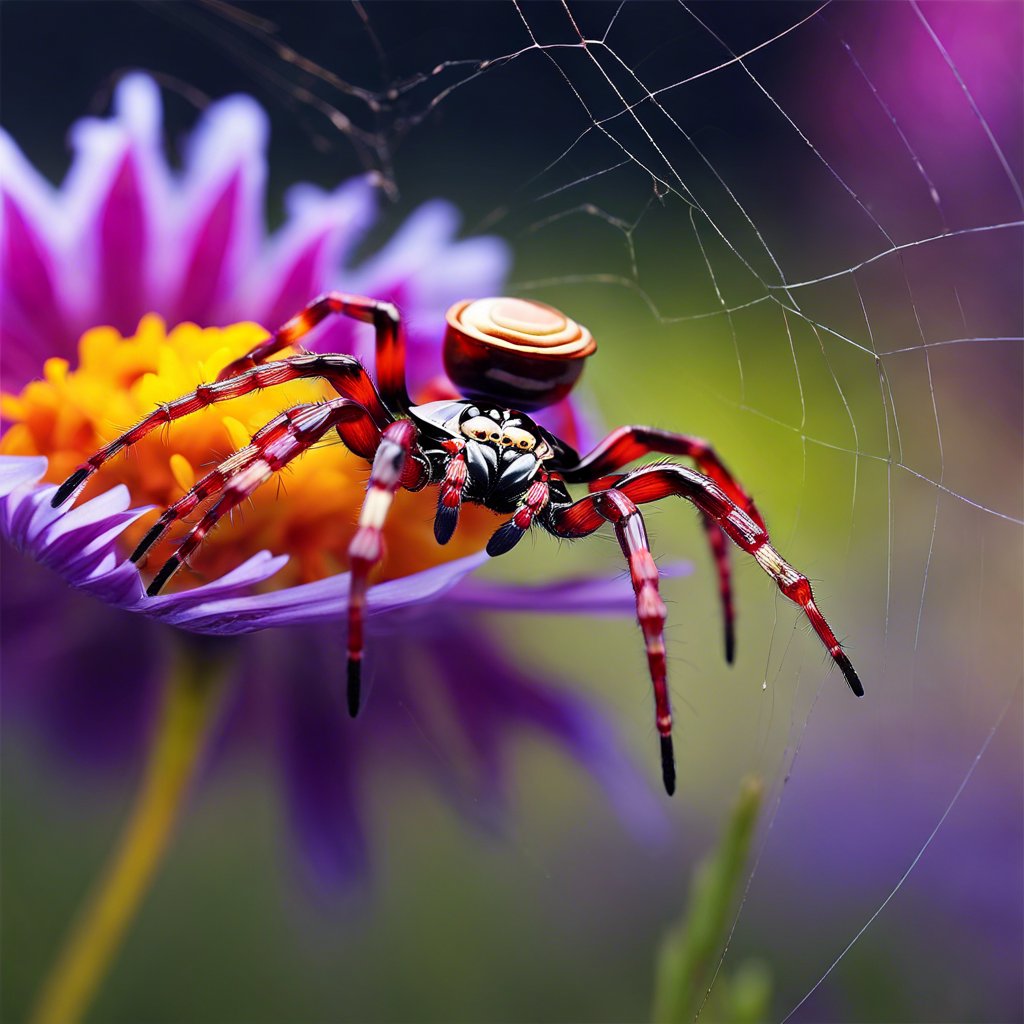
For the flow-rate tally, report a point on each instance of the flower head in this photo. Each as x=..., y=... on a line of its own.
x=132, y=284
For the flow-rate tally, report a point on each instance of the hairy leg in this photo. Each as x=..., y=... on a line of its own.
x=283, y=439
x=394, y=466
x=344, y=373
x=390, y=337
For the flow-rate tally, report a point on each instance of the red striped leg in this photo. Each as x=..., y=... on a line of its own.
x=387, y=324
x=449, y=497
x=393, y=467
x=344, y=373
x=720, y=555
x=532, y=504
x=285, y=438
x=655, y=482
x=613, y=506
x=627, y=444
x=292, y=433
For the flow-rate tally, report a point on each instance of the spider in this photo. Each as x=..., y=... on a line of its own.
x=477, y=444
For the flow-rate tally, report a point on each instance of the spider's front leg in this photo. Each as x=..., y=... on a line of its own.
x=398, y=463
x=283, y=439
x=581, y=519
x=390, y=341
x=344, y=373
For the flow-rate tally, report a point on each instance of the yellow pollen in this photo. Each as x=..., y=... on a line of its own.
x=308, y=511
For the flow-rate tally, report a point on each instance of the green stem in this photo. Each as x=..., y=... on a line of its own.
x=189, y=705
x=690, y=949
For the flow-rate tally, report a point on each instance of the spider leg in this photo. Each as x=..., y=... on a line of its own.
x=652, y=483
x=584, y=517
x=344, y=373
x=284, y=438
x=449, y=496
x=532, y=504
x=394, y=466
x=384, y=316
x=301, y=426
x=627, y=444
x=718, y=542
x=720, y=554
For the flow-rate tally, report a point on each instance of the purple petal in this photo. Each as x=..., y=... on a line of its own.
x=611, y=595
x=323, y=601
x=90, y=707
x=489, y=715
x=321, y=770
x=20, y=469
x=178, y=609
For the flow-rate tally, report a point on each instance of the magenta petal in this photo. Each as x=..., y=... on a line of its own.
x=26, y=270
x=206, y=263
x=221, y=202
x=324, y=228
x=122, y=233
x=301, y=281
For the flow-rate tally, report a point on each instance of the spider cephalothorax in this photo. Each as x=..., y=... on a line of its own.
x=504, y=355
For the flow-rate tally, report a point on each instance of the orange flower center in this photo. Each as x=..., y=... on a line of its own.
x=308, y=511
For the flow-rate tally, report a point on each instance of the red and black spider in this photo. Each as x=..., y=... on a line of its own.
x=506, y=355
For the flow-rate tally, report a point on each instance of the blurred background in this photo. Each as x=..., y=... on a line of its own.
x=793, y=229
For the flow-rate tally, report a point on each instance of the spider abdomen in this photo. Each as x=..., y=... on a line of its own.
x=521, y=353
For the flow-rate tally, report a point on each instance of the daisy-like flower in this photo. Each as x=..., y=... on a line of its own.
x=127, y=287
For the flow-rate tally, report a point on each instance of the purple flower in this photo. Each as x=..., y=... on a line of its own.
x=127, y=236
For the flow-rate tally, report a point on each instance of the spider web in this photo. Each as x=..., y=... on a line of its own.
x=797, y=228
x=812, y=216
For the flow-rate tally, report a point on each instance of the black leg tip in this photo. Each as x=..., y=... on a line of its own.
x=170, y=567
x=851, y=675
x=668, y=765
x=444, y=524
x=147, y=542
x=70, y=485
x=505, y=538
x=730, y=645
x=354, y=687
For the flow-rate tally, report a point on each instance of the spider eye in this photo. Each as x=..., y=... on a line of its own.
x=521, y=439
x=481, y=428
